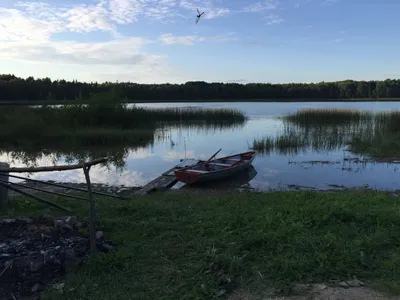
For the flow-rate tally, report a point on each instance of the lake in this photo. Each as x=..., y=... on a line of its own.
x=275, y=170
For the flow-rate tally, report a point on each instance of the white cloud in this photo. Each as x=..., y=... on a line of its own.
x=86, y=18
x=16, y=26
x=189, y=40
x=170, y=39
x=274, y=19
x=299, y=3
x=117, y=52
x=209, y=9
x=217, y=12
x=28, y=29
x=261, y=6
x=125, y=11
x=330, y=1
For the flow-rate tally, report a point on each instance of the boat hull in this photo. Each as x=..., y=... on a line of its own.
x=195, y=174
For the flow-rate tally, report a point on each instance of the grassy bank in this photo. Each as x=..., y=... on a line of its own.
x=172, y=248
x=104, y=121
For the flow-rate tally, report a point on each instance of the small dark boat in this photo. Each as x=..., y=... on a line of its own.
x=215, y=169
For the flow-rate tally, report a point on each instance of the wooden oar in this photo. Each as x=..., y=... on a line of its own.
x=213, y=156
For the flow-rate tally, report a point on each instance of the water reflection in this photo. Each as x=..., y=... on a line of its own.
x=296, y=157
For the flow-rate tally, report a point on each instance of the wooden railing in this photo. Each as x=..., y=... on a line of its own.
x=7, y=185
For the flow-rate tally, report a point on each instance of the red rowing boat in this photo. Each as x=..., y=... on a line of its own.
x=215, y=169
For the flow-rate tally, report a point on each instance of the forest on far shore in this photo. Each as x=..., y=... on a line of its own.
x=14, y=88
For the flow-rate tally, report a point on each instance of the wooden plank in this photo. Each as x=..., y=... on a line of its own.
x=218, y=164
x=160, y=183
x=187, y=163
x=167, y=179
x=198, y=171
x=184, y=163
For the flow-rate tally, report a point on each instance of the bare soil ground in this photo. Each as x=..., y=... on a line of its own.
x=319, y=292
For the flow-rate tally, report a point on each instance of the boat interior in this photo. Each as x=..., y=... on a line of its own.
x=221, y=163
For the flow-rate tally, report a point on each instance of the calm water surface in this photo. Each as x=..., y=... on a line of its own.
x=274, y=170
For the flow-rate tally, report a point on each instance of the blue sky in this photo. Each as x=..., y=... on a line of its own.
x=157, y=41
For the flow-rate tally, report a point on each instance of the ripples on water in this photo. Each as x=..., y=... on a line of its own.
x=319, y=160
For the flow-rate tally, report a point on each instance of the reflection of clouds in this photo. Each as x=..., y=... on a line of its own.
x=44, y=160
x=172, y=156
x=97, y=175
x=270, y=172
x=178, y=155
x=139, y=153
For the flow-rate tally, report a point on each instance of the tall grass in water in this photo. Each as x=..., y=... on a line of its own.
x=105, y=120
x=285, y=144
x=366, y=132
x=193, y=114
x=328, y=116
x=384, y=142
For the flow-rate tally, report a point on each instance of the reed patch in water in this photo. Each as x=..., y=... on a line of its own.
x=376, y=134
x=285, y=144
x=312, y=116
x=105, y=120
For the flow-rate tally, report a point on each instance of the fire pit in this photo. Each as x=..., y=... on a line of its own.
x=36, y=250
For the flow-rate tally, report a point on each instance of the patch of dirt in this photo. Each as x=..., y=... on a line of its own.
x=36, y=250
x=319, y=292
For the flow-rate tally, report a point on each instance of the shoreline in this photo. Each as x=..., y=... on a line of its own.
x=256, y=100
x=129, y=191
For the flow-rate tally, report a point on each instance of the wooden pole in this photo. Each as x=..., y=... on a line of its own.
x=3, y=189
x=53, y=168
x=86, y=169
x=213, y=156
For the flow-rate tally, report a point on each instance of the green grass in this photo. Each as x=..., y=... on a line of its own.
x=172, y=248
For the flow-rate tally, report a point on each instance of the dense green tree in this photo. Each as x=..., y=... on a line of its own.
x=13, y=88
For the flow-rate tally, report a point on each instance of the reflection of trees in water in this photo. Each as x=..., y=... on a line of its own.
x=117, y=154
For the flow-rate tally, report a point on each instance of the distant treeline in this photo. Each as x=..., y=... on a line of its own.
x=13, y=88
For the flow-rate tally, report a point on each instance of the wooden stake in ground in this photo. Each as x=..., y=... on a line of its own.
x=86, y=170
x=4, y=189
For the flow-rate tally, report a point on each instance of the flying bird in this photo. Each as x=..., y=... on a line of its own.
x=198, y=15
